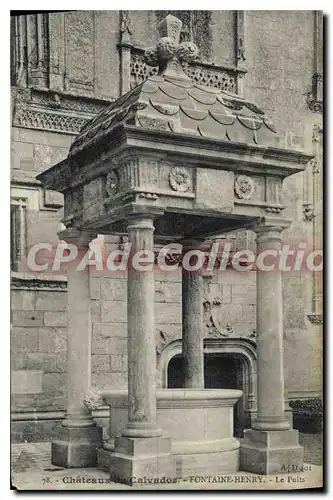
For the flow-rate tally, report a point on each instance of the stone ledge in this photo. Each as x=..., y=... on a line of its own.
x=27, y=281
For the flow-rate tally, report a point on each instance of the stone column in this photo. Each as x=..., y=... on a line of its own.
x=78, y=437
x=270, y=445
x=141, y=450
x=192, y=314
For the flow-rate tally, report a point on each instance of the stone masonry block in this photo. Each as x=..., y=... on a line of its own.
x=95, y=288
x=109, y=346
x=22, y=300
x=51, y=301
x=244, y=329
x=52, y=339
x=220, y=292
x=43, y=137
x=109, y=330
x=26, y=382
x=172, y=331
x=53, y=199
x=100, y=362
x=24, y=339
x=230, y=315
x=173, y=292
x=21, y=151
x=168, y=313
x=48, y=363
x=57, y=318
x=124, y=360
x=167, y=291
x=232, y=277
x=27, y=318
x=46, y=155
x=95, y=307
x=116, y=363
x=159, y=291
x=19, y=361
x=55, y=382
x=113, y=311
x=114, y=289
x=109, y=380
x=244, y=294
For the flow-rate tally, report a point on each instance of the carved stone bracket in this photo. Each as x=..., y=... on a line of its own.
x=309, y=212
x=315, y=319
x=93, y=399
x=315, y=97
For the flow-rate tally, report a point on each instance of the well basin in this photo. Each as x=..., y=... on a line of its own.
x=199, y=421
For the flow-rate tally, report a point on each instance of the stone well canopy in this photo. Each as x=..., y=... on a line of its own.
x=167, y=103
x=173, y=160
x=198, y=159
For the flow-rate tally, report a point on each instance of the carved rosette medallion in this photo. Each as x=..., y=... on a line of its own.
x=111, y=183
x=244, y=187
x=179, y=179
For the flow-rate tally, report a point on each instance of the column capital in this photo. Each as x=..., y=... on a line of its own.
x=270, y=228
x=77, y=237
x=140, y=221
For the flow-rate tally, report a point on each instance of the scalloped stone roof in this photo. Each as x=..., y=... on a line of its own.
x=177, y=105
x=171, y=102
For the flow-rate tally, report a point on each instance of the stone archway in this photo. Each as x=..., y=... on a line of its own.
x=238, y=350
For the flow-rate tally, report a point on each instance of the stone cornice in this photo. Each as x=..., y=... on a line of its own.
x=59, y=112
x=210, y=152
x=101, y=412
x=179, y=398
x=23, y=281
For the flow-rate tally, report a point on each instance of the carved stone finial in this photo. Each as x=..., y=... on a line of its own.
x=168, y=52
x=170, y=27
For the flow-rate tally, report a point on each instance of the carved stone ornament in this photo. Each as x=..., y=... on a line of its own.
x=92, y=400
x=179, y=179
x=161, y=342
x=168, y=53
x=244, y=187
x=309, y=212
x=315, y=319
x=112, y=183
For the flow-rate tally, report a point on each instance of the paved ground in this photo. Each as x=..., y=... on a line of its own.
x=313, y=447
x=32, y=470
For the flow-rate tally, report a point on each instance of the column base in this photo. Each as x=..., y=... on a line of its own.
x=138, y=460
x=76, y=446
x=271, y=452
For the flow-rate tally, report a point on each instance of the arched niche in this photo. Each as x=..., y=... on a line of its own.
x=240, y=349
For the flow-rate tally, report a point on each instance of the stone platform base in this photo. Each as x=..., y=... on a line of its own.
x=76, y=446
x=141, y=458
x=194, y=458
x=103, y=459
x=199, y=422
x=207, y=464
x=271, y=452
